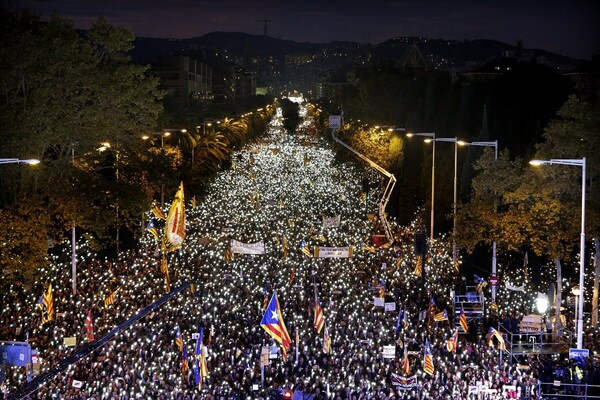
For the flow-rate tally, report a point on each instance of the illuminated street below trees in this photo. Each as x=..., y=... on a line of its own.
x=254, y=233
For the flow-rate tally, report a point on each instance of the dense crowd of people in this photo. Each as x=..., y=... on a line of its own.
x=277, y=191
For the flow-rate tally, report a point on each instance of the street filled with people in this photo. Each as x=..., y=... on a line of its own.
x=289, y=230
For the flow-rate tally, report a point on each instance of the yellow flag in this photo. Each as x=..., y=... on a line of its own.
x=175, y=225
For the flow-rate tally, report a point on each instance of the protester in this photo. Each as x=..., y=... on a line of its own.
x=278, y=191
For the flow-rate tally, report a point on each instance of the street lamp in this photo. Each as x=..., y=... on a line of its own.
x=429, y=135
x=577, y=163
x=455, y=141
x=204, y=124
x=162, y=137
x=396, y=129
x=32, y=161
x=493, y=144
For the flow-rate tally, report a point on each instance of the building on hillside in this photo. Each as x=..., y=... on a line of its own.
x=184, y=77
x=586, y=80
x=245, y=83
x=491, y=70
x=233, y=82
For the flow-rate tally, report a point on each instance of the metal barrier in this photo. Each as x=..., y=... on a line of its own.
x=558, y=390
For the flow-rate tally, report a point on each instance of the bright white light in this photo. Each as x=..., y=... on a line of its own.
x=542, y=303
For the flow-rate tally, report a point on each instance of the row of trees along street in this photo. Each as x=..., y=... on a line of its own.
x=75, y=101
x=531, y=114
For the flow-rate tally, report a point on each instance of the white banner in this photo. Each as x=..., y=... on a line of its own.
x=247, y=248
x=378, y=301
x=390, y=306
x=532, y=323
x=77, y=384
x=331, y=222
x=404, y=382
x=515, y=288
x=333, y=252
x=389, y=351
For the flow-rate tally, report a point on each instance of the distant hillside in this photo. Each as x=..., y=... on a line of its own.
x=439, y=53
x=454, y=53
x=237, y=44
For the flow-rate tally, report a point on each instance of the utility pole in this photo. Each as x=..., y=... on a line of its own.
x=73, y=245
x=266, y=25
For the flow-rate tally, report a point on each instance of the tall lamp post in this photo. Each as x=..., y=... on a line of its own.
x=577, y=163
x=493, y=144
x=432, y=136
x=455, y=141
x=104, y=146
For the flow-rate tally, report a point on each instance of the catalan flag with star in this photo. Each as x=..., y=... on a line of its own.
x=441, y=316
x=428, y=360
x=319, y=318
x=493, y=333
x=272, y=322
x=178, y=339
x=480, y=282
x=304, y=248
x=452, y=342
x=152, y=229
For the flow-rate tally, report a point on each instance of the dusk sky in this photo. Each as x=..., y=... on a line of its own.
x=565, y=27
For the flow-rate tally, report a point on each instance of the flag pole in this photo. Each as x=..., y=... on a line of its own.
x=296, y=345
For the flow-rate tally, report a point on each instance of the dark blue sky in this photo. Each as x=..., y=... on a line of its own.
x=561, y=26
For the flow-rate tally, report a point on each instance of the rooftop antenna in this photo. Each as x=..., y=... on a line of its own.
x=266, y=25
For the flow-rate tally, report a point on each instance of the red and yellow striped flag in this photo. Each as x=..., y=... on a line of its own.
x=110, y=299
x=48, y=303
x=405, y=363
x=419, y=267
x=462, y=319
x=428, y=362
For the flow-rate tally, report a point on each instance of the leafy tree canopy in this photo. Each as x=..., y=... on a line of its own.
x=538, y=208
x=65, y=93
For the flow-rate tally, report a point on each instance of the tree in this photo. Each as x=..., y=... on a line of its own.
x=291, y=118
x=537, y=208
x=65, y=93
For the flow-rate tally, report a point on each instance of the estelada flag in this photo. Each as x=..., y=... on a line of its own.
x=272, y=322
x=452, y=342
x=428, y=362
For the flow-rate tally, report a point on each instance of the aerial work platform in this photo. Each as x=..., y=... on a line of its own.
x=543, y=343
x=473, y=303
